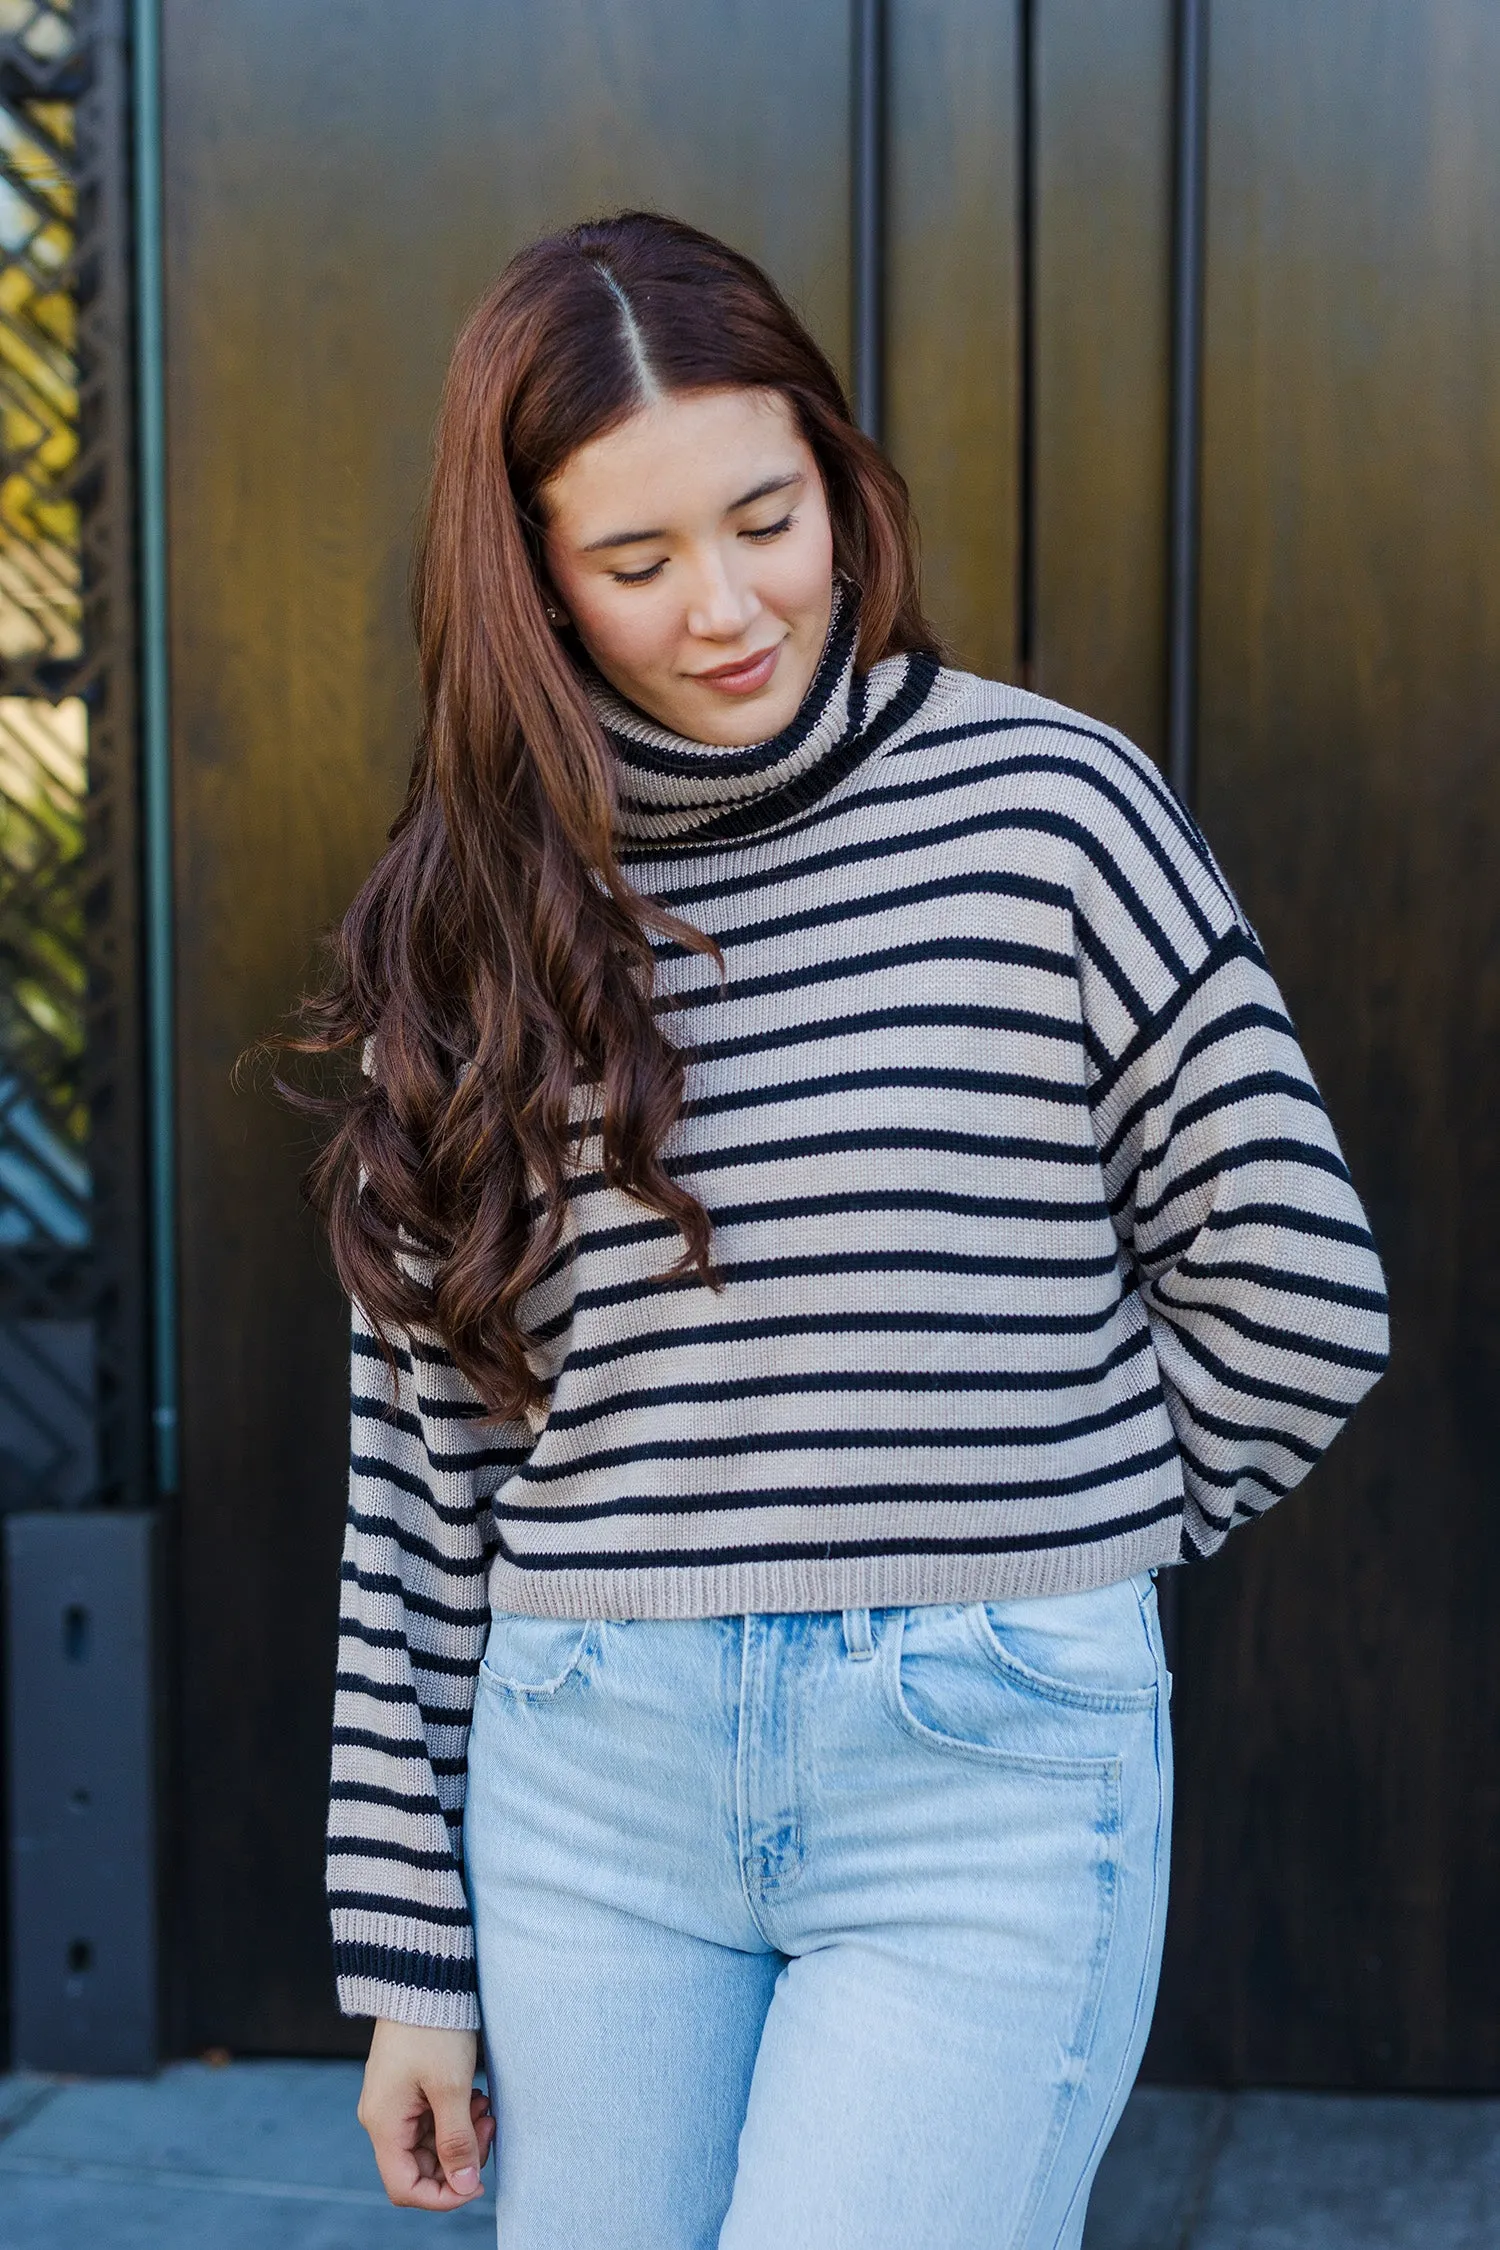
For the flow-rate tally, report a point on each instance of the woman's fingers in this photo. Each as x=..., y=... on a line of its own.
x=484, y=2124
x=456, y=2141
x=424, y=2116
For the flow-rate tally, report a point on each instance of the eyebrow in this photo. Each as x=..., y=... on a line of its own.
x=760, y=491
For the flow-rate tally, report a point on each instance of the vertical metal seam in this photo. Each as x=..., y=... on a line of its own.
x=156, y=779
x=1189, y=168
x=869, y=216
x=1026, y=342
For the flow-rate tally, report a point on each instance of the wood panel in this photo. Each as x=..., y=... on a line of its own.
x=1102, y=91
x=953, y=345
x=1339, y=1688
x=343, y=176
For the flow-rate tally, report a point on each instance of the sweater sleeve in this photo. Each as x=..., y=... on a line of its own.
x=413, y=1616
x=1255, y=1262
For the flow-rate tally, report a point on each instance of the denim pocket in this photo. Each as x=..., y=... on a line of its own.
x=1095, y=1651
x=951, y=1684
x=535, y=1655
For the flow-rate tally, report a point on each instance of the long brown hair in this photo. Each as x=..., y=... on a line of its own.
x=497, y=953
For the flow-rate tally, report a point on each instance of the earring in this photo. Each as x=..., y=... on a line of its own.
x=554, y=616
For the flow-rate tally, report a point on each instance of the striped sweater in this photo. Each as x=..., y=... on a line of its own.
x=1039, y=1260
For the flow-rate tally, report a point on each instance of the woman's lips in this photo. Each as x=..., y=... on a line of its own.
x=746, y=677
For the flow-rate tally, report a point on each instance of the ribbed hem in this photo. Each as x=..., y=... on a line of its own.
x=851, y=1582
x=405, y=2003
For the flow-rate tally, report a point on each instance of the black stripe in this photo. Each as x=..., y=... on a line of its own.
x=842, y=1496
x=386, y=1745
x=1286, y=1282
x=850, y=1202
x=923, y=1077
x=730, y=1445
x=1228, y=1479
x=957, y=778
x=1227, y=1096
x=921, y=1015
x=404, y=1855
x=1279, y=1150
x=879, y=906
x=1042, y=823
x=892, y=1139
x=363, y=1345
x=1227, y=1026
x=816, y=1265
x=418, y=1972
x=420, y=1804
x=947, y=1380
x=1244, y=1434
x=474, y=1457
x=1291, y=1220
x=1001, y=1147
x=854, y=1550
x=1235, y=945
x=1092, y=778
x=402, y=1691
x=871, y=1323
x=1294, y=1341
x=1000, y=952
x=1245, y=1385
x=402, y=1480
x=962, y=781
x=399, y=1909
x=381, y=1582
x=1091, y=944
x=857, y=850
x=1141, y=769
x=392, y=1637
x=386, y=1528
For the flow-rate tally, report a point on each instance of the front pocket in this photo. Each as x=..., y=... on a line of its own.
x=536, y=1655
x=1094, y=1651
x=947, y=1688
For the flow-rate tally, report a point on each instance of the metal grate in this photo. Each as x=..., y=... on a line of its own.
x=70, y=1379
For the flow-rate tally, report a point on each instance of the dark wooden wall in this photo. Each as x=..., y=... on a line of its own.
x=343, y=176
x=1341, y=1671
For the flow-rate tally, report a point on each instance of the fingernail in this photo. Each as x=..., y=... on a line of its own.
x=464, y=2182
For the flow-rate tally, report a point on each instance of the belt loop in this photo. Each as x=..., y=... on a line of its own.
x=858, y=1641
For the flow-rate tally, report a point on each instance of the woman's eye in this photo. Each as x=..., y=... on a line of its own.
x=772, y=530
x=639, y=577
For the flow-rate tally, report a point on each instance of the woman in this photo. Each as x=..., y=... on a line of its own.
x=834, y=1203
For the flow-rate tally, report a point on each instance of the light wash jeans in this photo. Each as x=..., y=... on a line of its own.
x=821, y=1929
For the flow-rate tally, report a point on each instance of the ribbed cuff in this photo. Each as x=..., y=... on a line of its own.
x=407, y=2003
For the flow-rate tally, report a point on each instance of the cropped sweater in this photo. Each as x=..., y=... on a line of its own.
x=1039, y=1262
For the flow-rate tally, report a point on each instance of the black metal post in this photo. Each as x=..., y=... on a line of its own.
x=869, y=117
x=1190, y=148
x=1190, y=171
x=1026, y=325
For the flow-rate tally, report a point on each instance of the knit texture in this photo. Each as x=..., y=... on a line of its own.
x=1039, y=1261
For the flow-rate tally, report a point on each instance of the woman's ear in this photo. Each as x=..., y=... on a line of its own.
x=557, y=616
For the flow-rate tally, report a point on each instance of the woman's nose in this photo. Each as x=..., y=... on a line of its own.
x=721, y=607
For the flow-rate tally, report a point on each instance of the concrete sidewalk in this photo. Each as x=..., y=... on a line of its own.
x=267, y=2156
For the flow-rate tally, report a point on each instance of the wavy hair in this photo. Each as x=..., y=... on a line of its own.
x=497, y=954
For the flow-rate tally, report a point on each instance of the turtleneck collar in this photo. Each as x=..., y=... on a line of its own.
x=674, y=790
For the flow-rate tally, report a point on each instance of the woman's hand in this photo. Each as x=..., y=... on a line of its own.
x=430, y=2126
